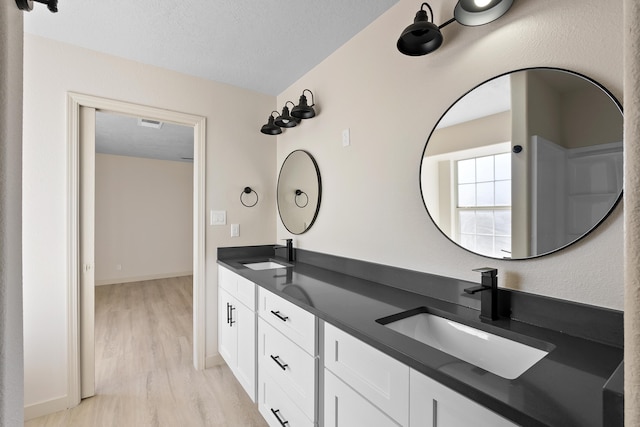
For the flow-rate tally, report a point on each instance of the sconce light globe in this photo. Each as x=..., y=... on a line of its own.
x=479, y=12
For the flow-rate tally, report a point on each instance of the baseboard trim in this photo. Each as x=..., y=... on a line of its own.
x=142, y=278
x=212, y=361
x=45, y=408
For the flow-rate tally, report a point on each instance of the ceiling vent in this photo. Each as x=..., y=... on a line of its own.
x=148, y=123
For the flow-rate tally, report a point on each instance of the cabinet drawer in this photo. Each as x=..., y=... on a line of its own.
x=433, y=405
x=246, y=293
x=242, y=289
x=294, y=322
x=277, y=408
x=378, y=377
x=227, y=280
x=287, y=364
x=345, y=407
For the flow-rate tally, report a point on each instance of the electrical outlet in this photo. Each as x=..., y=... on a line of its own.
x=235, y=230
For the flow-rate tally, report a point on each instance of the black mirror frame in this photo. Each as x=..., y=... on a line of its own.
x=596, y=225
x=317, y=170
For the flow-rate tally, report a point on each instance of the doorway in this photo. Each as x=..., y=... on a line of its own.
x=81, y=120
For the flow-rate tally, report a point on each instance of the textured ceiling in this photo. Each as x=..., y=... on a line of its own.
x=123, y=136
x=260, y=45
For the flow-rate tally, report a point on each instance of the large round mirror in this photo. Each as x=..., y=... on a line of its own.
x=299, y=191
x=524, y=164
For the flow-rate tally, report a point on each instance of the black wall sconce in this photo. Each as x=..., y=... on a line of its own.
x=300, y=193
x=302, y=110
x=290, y=119
x=423, y=36
x=243, y=195
x=27, y=5
x=270, y=128
x=285, y=120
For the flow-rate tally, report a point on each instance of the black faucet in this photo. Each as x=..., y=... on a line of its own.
x=489, y=289
x=289, y=249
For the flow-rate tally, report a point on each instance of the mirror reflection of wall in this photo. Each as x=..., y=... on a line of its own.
x=524, y=164
x=299, y=191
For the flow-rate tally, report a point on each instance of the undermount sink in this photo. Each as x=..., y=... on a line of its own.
x=498, y=355
x=265, y=265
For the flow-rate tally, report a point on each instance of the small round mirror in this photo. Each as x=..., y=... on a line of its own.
x=299, y=191
x=524, y=164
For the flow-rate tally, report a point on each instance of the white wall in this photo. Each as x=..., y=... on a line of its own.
x=371, y=208
x=144, y=220
x=11, y=403
x=238, y=155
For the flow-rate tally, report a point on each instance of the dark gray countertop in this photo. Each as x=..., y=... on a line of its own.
x=564, y=389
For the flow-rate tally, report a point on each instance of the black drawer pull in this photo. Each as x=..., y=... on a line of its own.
x=435, y=413
x=228, y=313
x=231, y=321
x=283, y=366
x=275, y=414
x=279, y=316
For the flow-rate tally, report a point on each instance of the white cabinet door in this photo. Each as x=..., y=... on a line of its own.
x=434, y=405
x=381, y=379
x=344, y=407
x=237, y=334
x=227, y=337
x=244, y=322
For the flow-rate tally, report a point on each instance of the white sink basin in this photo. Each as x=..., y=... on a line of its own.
x=501, y=356
x=265, y=265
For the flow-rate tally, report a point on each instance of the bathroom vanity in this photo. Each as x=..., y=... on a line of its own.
x=328, y=352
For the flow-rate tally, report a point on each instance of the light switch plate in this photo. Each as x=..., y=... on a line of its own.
x=218, y=218
x=235, y=230
x=346, y=137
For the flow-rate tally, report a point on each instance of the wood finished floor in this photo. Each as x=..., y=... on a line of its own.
x=144, y=369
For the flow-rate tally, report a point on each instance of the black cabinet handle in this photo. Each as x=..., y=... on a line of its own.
x=435, y=413
x=228, y=313
x=283, y=366
x=231, y=321
x=275, y=414
x=279, y=316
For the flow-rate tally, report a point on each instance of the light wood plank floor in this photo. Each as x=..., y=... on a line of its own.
x=144, y=369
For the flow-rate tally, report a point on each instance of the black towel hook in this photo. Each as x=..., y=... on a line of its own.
x=248, y=190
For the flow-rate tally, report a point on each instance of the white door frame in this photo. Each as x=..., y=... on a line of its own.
x=74, y=102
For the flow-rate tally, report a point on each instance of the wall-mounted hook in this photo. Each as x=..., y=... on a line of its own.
x=27, y=5
x=248, y=190
x=306, y=199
